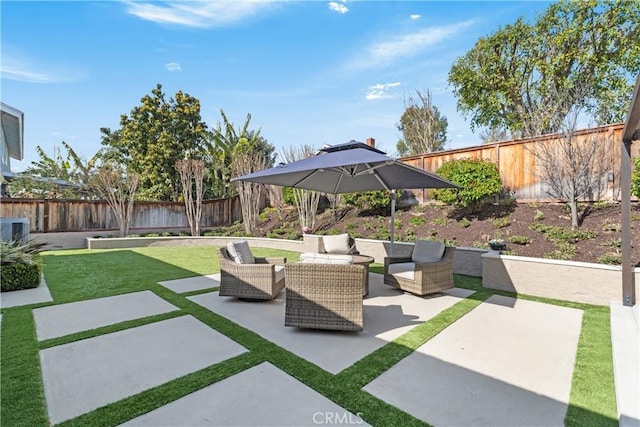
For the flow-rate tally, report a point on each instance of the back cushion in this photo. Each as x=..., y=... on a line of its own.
x=313, y=258
x=240, y=252
x=338, y=244
x=427, y=251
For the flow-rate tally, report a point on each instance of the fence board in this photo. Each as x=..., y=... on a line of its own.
x=61, y=215
x=517, y=163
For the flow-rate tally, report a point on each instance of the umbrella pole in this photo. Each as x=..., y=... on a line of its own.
x=393, y=220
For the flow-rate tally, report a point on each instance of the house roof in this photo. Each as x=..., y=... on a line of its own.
x=632, y=126
x=13, y=130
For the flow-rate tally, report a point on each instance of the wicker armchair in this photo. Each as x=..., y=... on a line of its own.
x=249, y=281
x=428, y=278
x=324, y=296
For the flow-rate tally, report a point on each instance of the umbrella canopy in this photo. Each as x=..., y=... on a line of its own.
x=349, y=168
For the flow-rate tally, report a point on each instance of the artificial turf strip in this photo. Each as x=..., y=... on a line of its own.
x=121, y=326
x=21, y=388
x=592, y=401
x=372, y=366
x=200, y=291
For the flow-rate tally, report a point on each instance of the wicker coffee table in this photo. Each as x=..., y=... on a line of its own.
x=365, y=260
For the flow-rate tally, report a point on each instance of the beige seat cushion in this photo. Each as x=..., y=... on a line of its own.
x=239, y=251
x=338, y=244
x=427, y=251
x=313, y=258
x=279, y=272
x=405, y=270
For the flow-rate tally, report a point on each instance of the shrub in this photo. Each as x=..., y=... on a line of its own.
x=417, y=221
x=440, y=221
x=561, y=234
x=21, y=266
x=478, y=179
x=464, y=222
x=501, y=222
x=368, y=200
x=609, y=225
x=563, y=250
x=611, y=258
x=539, y=215
x=614, y=243
x=520, y=240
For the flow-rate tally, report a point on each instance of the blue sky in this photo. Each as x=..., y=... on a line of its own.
x=309, y=72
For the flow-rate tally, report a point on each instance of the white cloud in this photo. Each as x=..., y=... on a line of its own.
x=386, y=52
x=173, y=66
x=380, y=90
x=21, y=68
x=337, y=7
x=414, y=17
x=198, y=14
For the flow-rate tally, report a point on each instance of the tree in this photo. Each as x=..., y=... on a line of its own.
x=249, y=192
x=192, y=173
x=573, y=166
x=306, y=200
x=506, y=81
x=57, y=176
x=491, y=135
x=118, y=187
x=635, y=178
x=224, y=143
x=153, y=137
x=423, y=129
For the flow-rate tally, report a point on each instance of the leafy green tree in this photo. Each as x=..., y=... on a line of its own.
x=224, y=144
x=635, y=178
x=153, y=137
x=478, y=179
x=58, y=176
x=423, y=129
x=509, y=79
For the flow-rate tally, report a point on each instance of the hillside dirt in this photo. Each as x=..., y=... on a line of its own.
x=520, y=225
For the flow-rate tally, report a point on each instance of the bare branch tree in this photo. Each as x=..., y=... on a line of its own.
x=118, y=187
x=573, y=167
x=249, y=192
x=192, y=174
x=306, y=200
x=424, y=129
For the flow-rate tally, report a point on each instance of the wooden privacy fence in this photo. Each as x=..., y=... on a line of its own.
x=518, y=166
x=60, y=215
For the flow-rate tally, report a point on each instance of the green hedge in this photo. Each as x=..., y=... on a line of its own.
x=20, y=276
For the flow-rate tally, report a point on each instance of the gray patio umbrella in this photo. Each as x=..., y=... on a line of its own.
x=349, y=168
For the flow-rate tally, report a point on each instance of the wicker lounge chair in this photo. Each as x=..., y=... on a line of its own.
x=249, y=281
x=324, y=296
x=423, y=278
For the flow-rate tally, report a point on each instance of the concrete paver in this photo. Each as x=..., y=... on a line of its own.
x=84, y=375
x=64, y=319
x=508, y=362
x=388, y=313
x=26, y=296
x=260, y=396
x=189, y=284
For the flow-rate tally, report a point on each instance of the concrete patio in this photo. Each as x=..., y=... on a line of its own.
x=506, y=355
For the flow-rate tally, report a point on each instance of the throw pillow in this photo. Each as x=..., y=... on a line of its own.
x=427, y=251
x=313, y=258
x=240, y=252
x=338, y=244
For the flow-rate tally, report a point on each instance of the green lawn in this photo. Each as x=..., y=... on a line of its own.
x=74, y=275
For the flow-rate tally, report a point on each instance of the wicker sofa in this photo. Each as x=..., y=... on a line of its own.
x=257, y=281
x=324, y=296
x=420, y=278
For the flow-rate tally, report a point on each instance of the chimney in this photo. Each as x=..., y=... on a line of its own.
x=371, y=142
